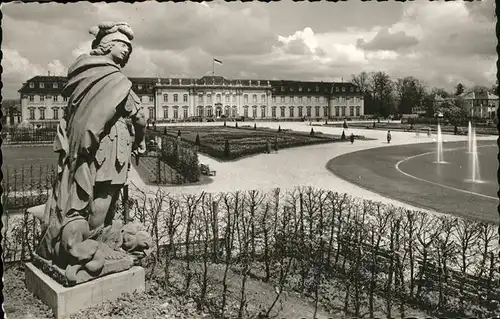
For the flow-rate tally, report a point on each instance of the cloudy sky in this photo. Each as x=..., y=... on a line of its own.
x=441, y=43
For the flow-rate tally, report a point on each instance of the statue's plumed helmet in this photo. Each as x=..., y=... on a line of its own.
x=111, y=31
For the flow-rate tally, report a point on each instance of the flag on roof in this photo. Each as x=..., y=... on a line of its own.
x=218, y=61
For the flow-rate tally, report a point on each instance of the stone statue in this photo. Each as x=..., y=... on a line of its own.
x=104, y=125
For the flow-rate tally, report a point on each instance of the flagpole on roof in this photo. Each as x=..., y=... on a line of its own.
x=213, y=67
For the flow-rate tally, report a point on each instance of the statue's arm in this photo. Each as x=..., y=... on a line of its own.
x=138, y=117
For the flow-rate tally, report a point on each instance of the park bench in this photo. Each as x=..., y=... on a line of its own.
x=205, y=170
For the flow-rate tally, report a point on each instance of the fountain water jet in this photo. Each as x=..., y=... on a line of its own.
x=470, y=137
x=439, y=144
x=474, y=160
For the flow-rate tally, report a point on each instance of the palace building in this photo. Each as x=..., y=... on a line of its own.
x=210, y=97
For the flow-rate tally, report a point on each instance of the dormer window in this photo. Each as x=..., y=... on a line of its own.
x=42, y=85
x=54, y=85
x=337, y=89
x=308, y=89
x=139, y=86
x=317, y=89
x=32, y=85
x=343, y=89
x=352, y=89
x=300, y=89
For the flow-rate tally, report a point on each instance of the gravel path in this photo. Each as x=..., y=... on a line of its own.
x=302, y=166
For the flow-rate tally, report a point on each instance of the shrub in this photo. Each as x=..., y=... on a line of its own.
x=279, y=128
x=227, y=152
x=312, y=132
x=165, y=130
x=197, y=141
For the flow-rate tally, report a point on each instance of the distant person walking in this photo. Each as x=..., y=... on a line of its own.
x=352, y=138
x=389, y=137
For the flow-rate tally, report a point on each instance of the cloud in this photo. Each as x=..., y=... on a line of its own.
x=440, y=43
x=386, y=41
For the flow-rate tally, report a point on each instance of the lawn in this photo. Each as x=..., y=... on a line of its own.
x=244, y=140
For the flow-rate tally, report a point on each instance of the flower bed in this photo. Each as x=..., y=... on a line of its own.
x=244, y=140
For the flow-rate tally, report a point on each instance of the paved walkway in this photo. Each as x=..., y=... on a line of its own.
x=302, y=166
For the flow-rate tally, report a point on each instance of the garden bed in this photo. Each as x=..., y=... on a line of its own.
x=148, y=171
x=243, y=140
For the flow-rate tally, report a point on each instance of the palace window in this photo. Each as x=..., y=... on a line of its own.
x=245, y=98
x=209, y=98
x=32, y=98
x=176, y=112
x=262, y=112
x=300, y=111
x=317, y=111
x=200, y=110
x=358, y=110
x=273, y=111
x=234, y=98
x=300, y=99
x=185, y=98
x=176, y=98
x=55, y=113
x=245, y=111
x=343, y=110
x=227, y=110
x=151, y=111
x=165, y=112
x=325, y=110
x=200, y=98
x=274, y=99
x=42, y=113
x=210, y=112
x=263, y=98
x=282, y=111
x=351, y=110
x=234, y=111
x=54, y=98
x=254, y=111
x=317, y=99
x=291, y=111
x=308, y=99
x=42, y=98
x=150, y=98
x=65, y=98
x=218, y=98
x=32, y=114
x=165, y=97
x=282, y=99
x=254, y=98
x=308, y=111
x=337, y=112
x=185, y=112
x=227, y=98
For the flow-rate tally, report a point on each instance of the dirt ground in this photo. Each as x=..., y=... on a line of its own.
x=168, y=302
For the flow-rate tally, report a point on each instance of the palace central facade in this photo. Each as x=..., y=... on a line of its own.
x=172, y=99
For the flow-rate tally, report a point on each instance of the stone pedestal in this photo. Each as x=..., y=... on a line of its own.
x=67, y=300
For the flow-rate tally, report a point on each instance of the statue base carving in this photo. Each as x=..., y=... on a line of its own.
x=59, y=275
x=67, y=300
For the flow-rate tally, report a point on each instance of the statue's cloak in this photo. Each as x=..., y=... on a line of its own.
x=96, y=87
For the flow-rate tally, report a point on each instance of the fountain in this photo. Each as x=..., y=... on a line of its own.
x=439, y=143
x=470, y=137
x=474, y=159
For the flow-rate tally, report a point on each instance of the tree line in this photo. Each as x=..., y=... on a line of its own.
x=384, y=96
